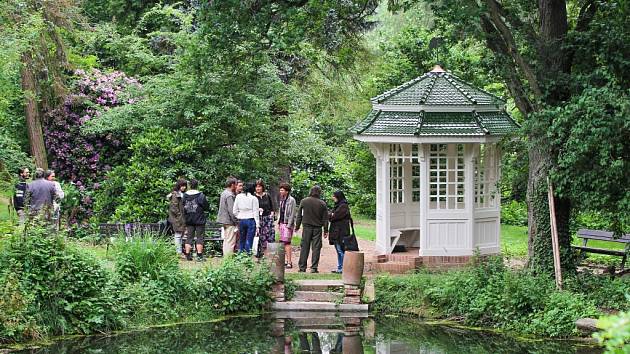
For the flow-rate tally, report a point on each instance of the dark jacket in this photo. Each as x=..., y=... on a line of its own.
x=195, y=207
x=266, y=203
x=312, y=212
x=20, y=192
x=176, y=212
x=339, y=223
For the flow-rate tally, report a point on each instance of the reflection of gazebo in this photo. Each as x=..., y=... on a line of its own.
x=437, y=166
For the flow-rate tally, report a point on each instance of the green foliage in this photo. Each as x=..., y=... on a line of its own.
x=591, y=134
x=514, y=213
x=237, y=286
x=68, y=292
x=489, y=294
x=615, y=334
x=50, y=287
x=15, y=320
x=143, y=256
x=11, y=159
x=542, y=258
x=125, y=13
x=604, y=291
x=137, y=191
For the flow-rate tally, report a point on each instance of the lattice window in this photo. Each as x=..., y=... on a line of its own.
x=396, y=174
x=415, y=173
x=486, y=172
x=446, y=176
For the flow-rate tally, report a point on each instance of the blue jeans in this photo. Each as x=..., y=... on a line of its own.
x=247, y=231
x=340, y=253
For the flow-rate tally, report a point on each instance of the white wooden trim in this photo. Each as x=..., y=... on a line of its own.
x=436, y=108
x=446, y=139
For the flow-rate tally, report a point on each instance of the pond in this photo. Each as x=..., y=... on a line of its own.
x=311, y=334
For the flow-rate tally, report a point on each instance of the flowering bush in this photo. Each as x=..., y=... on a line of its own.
x=80, y=158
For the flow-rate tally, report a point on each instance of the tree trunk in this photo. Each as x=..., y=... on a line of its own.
x=554, y=65
x=32, y=113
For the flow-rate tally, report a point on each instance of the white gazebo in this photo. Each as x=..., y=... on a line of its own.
x=437, y=166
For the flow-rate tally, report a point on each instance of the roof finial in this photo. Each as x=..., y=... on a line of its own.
x=437, y=69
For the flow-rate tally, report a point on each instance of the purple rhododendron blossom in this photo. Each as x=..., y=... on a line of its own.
x=77, y=157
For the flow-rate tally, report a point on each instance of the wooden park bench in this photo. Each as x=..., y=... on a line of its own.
x=600, y=235
x=213, y=241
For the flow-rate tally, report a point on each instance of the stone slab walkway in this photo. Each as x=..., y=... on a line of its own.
x=328, y=256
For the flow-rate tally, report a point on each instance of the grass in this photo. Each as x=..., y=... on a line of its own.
x=5, y=211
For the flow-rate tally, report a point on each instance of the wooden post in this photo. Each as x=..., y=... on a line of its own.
x=554, y=236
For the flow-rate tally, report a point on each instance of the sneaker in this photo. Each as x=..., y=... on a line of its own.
x=189, y=257
x=336, y=271
x=200, y=259
x=302, y=270
x=314, y=271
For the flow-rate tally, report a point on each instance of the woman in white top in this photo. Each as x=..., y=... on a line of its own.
x=247, y=213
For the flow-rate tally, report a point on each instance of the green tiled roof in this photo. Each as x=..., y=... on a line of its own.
x=386, y=123
x=436, y=104
x=437, y=88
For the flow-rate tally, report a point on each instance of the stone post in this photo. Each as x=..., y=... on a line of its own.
x=353, y=263
x=276, y=251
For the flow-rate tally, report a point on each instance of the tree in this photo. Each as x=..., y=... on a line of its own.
x=35, y=26
x=540, y=50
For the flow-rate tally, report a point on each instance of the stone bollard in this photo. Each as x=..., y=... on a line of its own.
x=276, y=251
x=353, y=263
x=352, y=343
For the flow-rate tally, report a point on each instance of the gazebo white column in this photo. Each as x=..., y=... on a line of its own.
x=381, y=153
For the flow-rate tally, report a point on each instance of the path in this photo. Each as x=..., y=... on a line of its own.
x=328, y=256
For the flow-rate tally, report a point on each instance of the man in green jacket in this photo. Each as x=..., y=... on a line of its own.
x=313, y=214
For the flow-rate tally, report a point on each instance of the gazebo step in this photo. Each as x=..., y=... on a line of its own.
x=319, y=285
x=322, y=296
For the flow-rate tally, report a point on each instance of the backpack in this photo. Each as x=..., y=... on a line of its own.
x=190, y=207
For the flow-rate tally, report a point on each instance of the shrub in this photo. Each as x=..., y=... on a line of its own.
x=16, y=323
x=488, y=294
x=514, y=213
x=238, y=285
x=604, y=291
x=70, y=292
x=143, y=256
x=615, y=334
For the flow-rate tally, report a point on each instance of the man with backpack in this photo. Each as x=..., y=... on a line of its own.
x=195, y=208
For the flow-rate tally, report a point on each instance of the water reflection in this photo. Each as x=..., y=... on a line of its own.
x=309, y=334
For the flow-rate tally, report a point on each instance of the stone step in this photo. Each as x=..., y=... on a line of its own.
x=318, y=306
x=318, y=285
x=327, y=316
x=321, y=296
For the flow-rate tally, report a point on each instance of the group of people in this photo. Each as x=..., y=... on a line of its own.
x=247, y=211
x=40, y=197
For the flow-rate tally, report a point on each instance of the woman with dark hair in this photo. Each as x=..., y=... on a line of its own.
x=176, y=213
x=286, y=221
x=246, y=210
x=339, y=227
x=266, y=210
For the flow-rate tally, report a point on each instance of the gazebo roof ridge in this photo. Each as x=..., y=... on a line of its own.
x=437, y=88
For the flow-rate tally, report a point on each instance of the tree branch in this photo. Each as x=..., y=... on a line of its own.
x=512, y=50
x=513, y=82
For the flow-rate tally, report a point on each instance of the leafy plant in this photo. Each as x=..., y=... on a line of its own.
x=615, y=333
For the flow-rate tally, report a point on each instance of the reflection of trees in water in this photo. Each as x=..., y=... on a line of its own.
x=399, y=335
x=239, y=335
x=261, y=335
